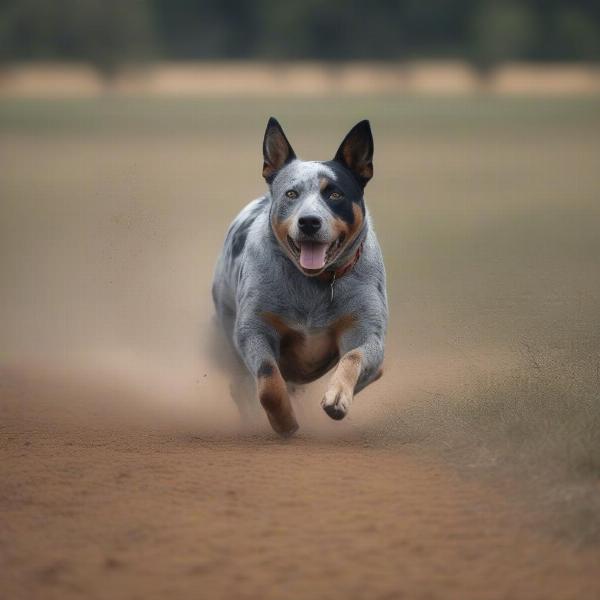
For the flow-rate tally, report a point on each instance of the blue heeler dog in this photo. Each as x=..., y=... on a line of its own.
x=300, y=284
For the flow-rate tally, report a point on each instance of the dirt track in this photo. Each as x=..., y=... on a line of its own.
x=98, y=503
x=123, y=471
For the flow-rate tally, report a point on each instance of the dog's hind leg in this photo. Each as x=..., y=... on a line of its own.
x=241, y=385
x=274, y=397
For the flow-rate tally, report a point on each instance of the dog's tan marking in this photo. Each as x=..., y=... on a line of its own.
x=323, y=183
x=281, y=228
x=340, y=227
x=348, y=371
x=357, y=164
x=306, y=355
x=340, y=393
x=273, y=395
x=359, y=218
x=350, y=231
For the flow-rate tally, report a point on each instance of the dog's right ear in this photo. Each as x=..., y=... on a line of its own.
x=277, y=151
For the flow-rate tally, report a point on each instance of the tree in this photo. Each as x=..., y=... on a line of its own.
x=502, y=31
x=106, y=33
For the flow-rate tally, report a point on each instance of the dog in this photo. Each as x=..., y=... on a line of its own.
x=300, y=285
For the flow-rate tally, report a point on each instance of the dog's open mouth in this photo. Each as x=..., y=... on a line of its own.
x=313, y=256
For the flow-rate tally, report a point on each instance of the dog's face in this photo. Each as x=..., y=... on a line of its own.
x=318, y=208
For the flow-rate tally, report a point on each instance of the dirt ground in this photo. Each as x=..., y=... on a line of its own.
x=124, y=470
x=99, y=506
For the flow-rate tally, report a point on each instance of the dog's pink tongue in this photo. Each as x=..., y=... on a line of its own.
x=312, y=255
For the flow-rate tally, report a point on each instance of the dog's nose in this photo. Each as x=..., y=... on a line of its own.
x=309, y=225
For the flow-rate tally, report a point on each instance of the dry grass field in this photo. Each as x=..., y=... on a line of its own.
x=471, y=470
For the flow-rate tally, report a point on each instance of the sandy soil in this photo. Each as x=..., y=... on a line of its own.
x=123, y=469
x=101, y=501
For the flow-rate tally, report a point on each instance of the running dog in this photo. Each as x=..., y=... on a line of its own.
x=300, y=284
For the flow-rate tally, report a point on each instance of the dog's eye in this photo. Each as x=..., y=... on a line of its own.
x=335, y=196
x=292, y=194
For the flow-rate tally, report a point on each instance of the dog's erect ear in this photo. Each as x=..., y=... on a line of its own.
x=356, y=152
x=276, y=150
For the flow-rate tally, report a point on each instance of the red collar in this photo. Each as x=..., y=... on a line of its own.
x=331, y=276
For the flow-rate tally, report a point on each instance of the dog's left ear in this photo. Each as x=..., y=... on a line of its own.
x=356, y=152
x=277, y=151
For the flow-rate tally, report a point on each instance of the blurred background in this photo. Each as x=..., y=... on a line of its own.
x=111, y=34
x=172, y=46
x=130, y=136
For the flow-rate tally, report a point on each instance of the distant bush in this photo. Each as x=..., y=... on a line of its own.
x=105, y=33
x=108, y=33
x=502, y=31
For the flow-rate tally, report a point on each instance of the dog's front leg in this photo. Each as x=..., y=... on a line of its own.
x=358, y=367
x=257, y=346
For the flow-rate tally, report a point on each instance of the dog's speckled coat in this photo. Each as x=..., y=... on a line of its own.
x=281, y=317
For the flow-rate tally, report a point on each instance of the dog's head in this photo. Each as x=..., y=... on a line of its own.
x=318, y=210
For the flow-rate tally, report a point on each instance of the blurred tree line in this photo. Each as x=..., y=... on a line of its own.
x=108, y=33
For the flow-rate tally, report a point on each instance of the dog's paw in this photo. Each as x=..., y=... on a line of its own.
x=336, y=402
x=283, y=422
